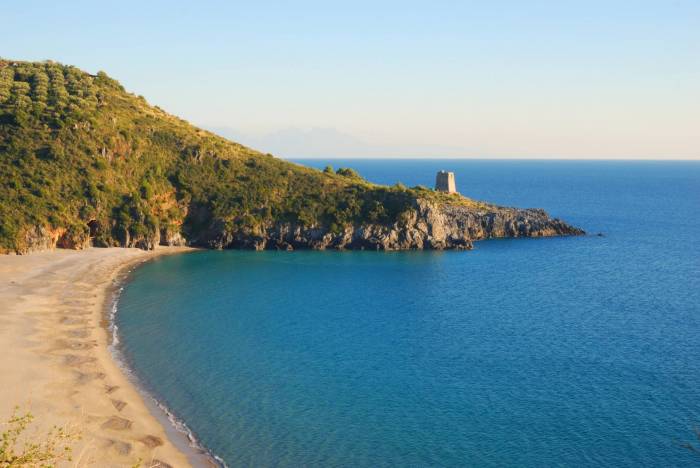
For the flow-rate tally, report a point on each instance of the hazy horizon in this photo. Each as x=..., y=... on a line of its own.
x=542, y=80
x=313, y=144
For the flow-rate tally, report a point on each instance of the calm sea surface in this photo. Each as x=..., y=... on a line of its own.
x=533, y=352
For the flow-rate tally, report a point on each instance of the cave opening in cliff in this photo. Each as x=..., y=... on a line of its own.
x=94, y=227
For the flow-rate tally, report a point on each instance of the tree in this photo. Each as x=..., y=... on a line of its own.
x=58, y=96
x=146, y=190
x=20, y=101
x=347, y=172
x=40, y=90
x=7, y=75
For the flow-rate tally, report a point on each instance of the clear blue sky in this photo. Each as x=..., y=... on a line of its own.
x=476, y=79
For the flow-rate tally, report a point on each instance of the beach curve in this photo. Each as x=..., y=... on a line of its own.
x=58, y=364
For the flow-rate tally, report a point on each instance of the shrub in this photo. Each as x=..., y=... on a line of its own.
x=18, y=450
x=347, y=172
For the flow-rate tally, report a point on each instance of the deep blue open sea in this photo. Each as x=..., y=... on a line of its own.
x=533, y=352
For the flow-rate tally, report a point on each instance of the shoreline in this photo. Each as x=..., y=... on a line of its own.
x=176, y=429
x=54, y=323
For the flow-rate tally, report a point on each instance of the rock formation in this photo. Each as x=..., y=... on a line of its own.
x=428, y=225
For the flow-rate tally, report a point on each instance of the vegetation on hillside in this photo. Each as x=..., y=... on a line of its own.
x=84, y=160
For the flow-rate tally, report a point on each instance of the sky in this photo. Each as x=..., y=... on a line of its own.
x=478, y=79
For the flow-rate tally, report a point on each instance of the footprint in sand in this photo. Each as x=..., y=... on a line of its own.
x=79, y=333
x=73, y=321
x=155, y=463
x=85, y=377
x=75, y=303
x=118, y=404
x=75, y=345
x=122, y=448
x=117, y=424
x=79, y=312
x=75, y=360
x=152, y=441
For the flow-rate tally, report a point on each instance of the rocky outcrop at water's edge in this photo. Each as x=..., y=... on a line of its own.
x=428, y=225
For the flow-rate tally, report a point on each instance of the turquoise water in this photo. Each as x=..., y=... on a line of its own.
x=532, y=352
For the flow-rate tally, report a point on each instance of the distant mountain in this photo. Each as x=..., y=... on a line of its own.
x=83, y=162
x=295, y=142
x=319, y=142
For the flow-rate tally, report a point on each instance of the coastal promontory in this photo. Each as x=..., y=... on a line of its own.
x=83, y=162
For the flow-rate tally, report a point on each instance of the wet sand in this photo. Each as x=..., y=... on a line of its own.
x=55, y=360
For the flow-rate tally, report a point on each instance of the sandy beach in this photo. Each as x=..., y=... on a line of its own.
x=55, y=360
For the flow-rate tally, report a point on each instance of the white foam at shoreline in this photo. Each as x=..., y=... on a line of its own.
x=165, y=413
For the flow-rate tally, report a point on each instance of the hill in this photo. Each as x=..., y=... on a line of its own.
x=83, y=162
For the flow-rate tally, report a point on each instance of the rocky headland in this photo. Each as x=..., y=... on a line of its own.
x=426, y=225
x=85, y=163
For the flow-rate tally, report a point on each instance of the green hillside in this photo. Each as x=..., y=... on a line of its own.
x=82, y=160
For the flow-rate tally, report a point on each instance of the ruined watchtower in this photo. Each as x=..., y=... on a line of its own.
x=445, y=182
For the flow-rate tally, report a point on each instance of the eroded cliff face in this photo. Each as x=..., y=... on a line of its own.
x=38, y=238
x=427, y=225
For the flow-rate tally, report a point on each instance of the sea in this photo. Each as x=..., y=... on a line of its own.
x=575, y=352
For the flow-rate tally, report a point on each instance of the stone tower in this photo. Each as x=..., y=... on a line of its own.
x=445, y=182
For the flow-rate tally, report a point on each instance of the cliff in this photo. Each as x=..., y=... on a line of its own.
x=425, y=225
x=83, y=162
